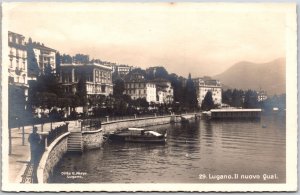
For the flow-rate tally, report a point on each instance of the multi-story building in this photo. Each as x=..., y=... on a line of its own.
x=17, y=68
x=203, y=86
x=164, y=90
x=42, y=56
x=123, y=70
x=17, y=73
x=138, y=87
x=262, y=96
x=97, y=78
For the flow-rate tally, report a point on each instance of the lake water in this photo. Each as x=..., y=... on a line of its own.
x=200, y=151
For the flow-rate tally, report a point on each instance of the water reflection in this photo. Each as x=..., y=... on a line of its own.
x=198, y=147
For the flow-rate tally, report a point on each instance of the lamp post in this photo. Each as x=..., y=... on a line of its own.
x=80, y=121
x=9, y=140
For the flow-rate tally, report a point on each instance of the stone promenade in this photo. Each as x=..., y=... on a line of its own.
x=20, y=154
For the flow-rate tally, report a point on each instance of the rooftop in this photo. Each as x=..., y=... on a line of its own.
x=13, y=33
x=89, y=64
x=38, y=45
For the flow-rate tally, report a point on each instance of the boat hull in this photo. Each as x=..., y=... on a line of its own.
x=138, y=139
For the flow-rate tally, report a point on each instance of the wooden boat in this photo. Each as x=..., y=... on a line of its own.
x=186, y=119
x=138, y=135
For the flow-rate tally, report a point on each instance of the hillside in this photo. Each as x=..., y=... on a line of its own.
x=247, y=75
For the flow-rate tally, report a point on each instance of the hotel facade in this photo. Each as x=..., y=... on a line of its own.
x=17, y=65
x=165, y=92
x=17, y=75
x=97, y=78
x=203, y=86
x=138, y=87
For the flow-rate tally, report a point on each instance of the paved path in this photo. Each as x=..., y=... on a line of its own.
x=20, y=156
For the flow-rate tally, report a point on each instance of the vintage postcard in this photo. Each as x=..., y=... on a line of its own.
x=115, y=97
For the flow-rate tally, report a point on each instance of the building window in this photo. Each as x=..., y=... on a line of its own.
x=96, y=75
x=70, y=78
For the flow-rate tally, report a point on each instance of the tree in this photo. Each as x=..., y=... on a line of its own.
x=47, y=100
x=141, y=103
x=48, y=70
x=119, y=87
x=161, y=72
x=64, y=102
x=136, y=71
x=66, y=59
x=32, y=65
x=251, y=99
x=74, y=100
x=58, y=59
x=237, y=98
x=45, y=84
x=227, y=97
x=81, y=90
x=208, y=102
x=190, y=96
x=156, y=72
x=81, y=58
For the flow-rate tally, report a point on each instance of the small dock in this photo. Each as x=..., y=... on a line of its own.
x=235, y=113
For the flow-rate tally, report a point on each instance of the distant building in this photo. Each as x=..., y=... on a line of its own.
x=165, y=92
x=262, y=96
x=17, y=73
x=96, y=77
x=17, y=68
x=137, y=87
x=114, y=67
x=123, y=70
x=42, y=56
x=203, y=86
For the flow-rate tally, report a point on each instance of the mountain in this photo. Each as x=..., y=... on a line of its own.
x=269, y=77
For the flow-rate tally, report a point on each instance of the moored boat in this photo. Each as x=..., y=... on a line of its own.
x=187, y=118
x=138, y=135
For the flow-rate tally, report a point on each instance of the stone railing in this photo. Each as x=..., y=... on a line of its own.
x=52, y=155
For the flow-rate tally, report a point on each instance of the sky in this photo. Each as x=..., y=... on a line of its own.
x=201, y=39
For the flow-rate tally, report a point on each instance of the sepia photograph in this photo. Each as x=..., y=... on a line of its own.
x=149, y=96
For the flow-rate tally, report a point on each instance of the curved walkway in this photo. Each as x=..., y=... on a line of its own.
x=19, y=166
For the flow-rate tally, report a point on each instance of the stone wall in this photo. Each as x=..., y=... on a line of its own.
x=51, y=157
x=92, y=139
x=138, y=122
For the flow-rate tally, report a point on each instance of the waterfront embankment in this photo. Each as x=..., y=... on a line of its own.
x=94, y=139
